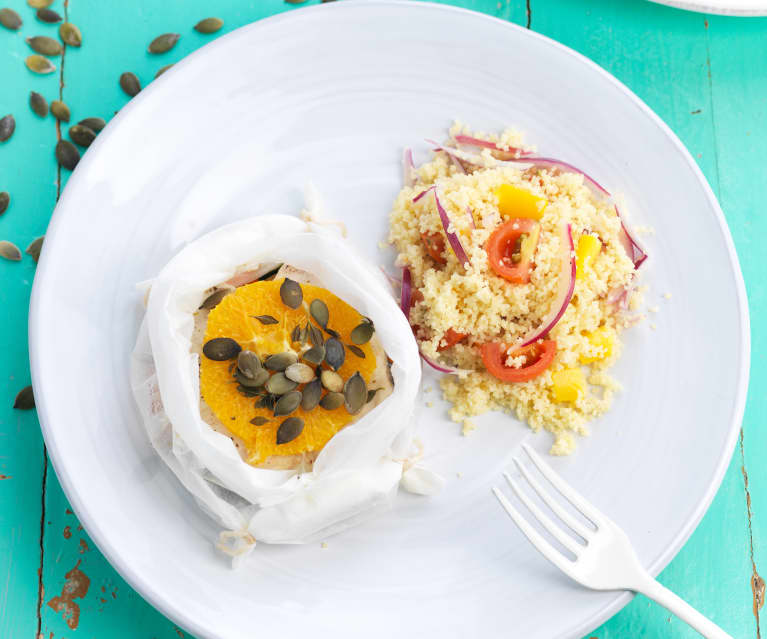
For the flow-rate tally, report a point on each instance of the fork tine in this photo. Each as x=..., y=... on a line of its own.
x=567, y=491
x=554, y=530
x=533, y=536
x=572, y=523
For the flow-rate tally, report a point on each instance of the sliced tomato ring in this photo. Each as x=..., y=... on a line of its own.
x=538, y=357
x=511, y=248
x=435, y=246
x=451, y=338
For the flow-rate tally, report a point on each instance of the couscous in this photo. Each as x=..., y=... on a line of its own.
x=518, y=278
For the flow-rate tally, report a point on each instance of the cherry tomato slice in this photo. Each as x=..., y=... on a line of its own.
x=539, y=356
x=506, y=258
x=435, y=246
x=451, y=338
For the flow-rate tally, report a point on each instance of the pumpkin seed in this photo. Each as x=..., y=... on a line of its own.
x=164, y=43
x=130, y=84
x=5, y=200
x=331, y=332
x=162, y=70
x=334, y=353
x=287, y=403
x=295, y=1
x=295, y=336
x=355, y=394
x=94, y=124
x=10, y=19
x=215, y=297
x=67, y=154
x=81, y=135
x=291, y=293
x=48, y=15
x=35, y=247
x=331, y=401
x=25, y=399
x=356, y=350
x=209, y=25
x=278, y=384
x=371, y=394
x=266, y=319
x=70, y=34
x=280, y=361
x=319, y=311
x=38, y=104
x=259, y=378
x=60, y=111
x=332, y=381
x=315, y=335
x=291, y=428
x=300, y=373
x=259, y=421
x=249, y=364
x=220, y=349
x=7, y=127
x=362, y=333
x=39, y=64
x=45, y=45
x=9, y=251
x=314, y=355
x=267, y=401
x=311, y=395
x=39, y=4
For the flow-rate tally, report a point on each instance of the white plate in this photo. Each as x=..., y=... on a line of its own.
x=743, y=8
x=332, y=94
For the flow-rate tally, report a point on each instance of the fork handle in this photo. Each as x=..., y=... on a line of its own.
x=662, y=595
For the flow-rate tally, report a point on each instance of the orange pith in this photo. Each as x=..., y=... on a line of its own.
x=233, y=317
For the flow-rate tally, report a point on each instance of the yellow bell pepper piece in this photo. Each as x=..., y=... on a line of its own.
x=588, y=248
x=568, y=384
x=603, y=338
x=516, y=202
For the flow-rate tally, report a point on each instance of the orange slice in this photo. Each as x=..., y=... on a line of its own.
x=234, y=317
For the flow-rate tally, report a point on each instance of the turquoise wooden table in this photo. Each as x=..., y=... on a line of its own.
x=706, y=76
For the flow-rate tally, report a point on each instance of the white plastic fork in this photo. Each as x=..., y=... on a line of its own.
x=606, y=559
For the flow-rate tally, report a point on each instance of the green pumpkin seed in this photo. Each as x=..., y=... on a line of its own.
x=35, y=247
x=266, y=319
x=331, y=332
x=280, y=361
x=94, y=124
x=371, y=394
x=362, y=333
x=319, y=311
x=48, y=15
x=130, y=84
x=291, y=428
x=291, y=293
x=312, y=394
x=314, y=355
x=25, y=399
x=335, y=354
x=356, y=350
x=267, y=401
x=220, y=349
x=164, y=43
x=209, y=25
x=315, y=335
x=278, y=384
x=38, y=104
x=249, y=364
x=5, y=200
x=295, y=336
x=295, y=1
x=67, y=154
x=39, y=4
x=331, y=401
x=332, y=381
x=300, y=373
x=162, y=70
x=259, y=421
x=10, y=19
x=60, y=111
x=81, y=135
x=39, y=64
x=287, y=403
x=259, y=378
x=215, y=297
x=70, y=34
x=355, y=394
x=45, y=45
x=9, y=251
x=7, y=127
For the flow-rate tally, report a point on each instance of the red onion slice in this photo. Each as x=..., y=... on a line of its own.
x=408, y=168
x=501, y=153
x=407, y=292
x=457, y=161
x=455, y=243
x=421, y=194
x=442, y=368
x=565, y=288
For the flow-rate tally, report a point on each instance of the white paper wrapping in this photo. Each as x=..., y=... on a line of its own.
x=357, y=472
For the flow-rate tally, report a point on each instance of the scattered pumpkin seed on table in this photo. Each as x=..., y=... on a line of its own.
x=45, y=45
x=39, y=4
x=60, y=111
x=209, y=25
x=130, y=84
x=10, y=19
x=291, y=428
x=7, y=127
x=81, y=135
x=9, y=251
x=295, y=1
x=25, y=399
x=67, y=154
x=48, y=15
x=39, y=64
x=221, y=349
x=162, y=70
x=291, y=293
x=35, y=247
x=5, y=200
x=70, y=34
x=38, y=104
x=94, y=124
x=164, y=43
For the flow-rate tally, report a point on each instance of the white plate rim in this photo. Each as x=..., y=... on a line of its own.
x=719, y=7
x=90, y=521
